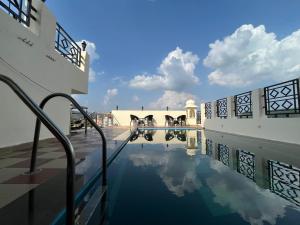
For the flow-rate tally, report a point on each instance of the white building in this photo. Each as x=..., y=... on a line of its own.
x=122, y=117
x=31, y=55
x=271, y=113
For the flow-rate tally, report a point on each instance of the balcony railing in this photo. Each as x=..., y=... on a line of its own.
x=67, y=47
x=208, y=110
x=243, y=105
x=222, y=108
x=285, y=181
x=19, y=10
x=282, y=98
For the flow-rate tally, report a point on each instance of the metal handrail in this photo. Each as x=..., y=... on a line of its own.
x=92, y=181
x=75, y=104
x=42, y=117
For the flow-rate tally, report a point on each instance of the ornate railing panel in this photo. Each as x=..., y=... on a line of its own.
x=209, y=147
x=246, y=164
x=208, y=110
x=283, y=98
x=67, y=46
x=243, y=104
x=18, y=9
x=222, y=108
x=223, y=155
x=285, y=181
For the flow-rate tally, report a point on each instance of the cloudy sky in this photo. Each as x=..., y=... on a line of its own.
x=159, y=53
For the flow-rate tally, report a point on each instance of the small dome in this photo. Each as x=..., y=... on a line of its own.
x=190, y=104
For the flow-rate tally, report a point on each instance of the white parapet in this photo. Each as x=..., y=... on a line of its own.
x=122, y=117
x=28, y=56
x=278, y=128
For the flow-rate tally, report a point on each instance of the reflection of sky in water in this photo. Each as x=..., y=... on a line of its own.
x=254, y=204
x=183, y=174
x=179, y=178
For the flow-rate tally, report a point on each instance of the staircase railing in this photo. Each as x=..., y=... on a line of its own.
x=43, y=118
x=92, y=122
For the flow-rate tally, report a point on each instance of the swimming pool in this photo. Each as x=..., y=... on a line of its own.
x=196, y=177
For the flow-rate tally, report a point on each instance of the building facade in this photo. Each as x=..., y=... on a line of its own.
x=42, y=59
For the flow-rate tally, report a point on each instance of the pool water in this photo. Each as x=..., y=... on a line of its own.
x=194, y=177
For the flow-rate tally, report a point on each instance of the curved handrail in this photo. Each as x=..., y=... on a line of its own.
x=42, y=117
x=76, y=105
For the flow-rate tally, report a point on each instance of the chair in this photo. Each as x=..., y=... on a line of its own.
x=181, y=119
x=149, y=120
x=134, y=118
x=169, y=120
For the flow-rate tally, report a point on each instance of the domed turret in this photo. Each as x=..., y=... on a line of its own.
x=190, y=104
x=191, y=110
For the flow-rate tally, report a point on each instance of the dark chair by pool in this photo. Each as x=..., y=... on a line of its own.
x=137, y=120
x=181, y=120
x=169, y=120
x=149, y=120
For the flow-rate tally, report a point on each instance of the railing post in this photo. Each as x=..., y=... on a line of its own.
x=76, y=105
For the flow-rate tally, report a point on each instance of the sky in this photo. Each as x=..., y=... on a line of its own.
x=158, y=53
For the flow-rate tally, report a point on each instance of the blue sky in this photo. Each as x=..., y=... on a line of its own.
x=157, y=52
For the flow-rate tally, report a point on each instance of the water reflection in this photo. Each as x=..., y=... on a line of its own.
x=258, y=179
x=285, y=181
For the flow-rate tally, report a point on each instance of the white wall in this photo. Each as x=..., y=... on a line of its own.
x=260, y=126
x=31, y=68
x=122, y=117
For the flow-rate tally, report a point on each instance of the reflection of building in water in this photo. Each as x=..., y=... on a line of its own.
x=192, y=143
x=285, y=181
x=188, y=138
x=246, y=164
x=251, y=158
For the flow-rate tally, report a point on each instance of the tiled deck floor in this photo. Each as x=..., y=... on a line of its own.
x=51, y=162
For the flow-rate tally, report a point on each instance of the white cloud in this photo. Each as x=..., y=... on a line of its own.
x=135, y=98
x=180, y=180
x=251, y=55
x=172, y=99
x=94, y=56
x=110, y=93
x=176, y=72
x=92, y=75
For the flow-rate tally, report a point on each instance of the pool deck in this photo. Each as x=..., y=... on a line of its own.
x=16, y=187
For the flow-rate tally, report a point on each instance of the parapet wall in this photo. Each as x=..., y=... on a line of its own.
x=274, y=114
x=122, y=117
